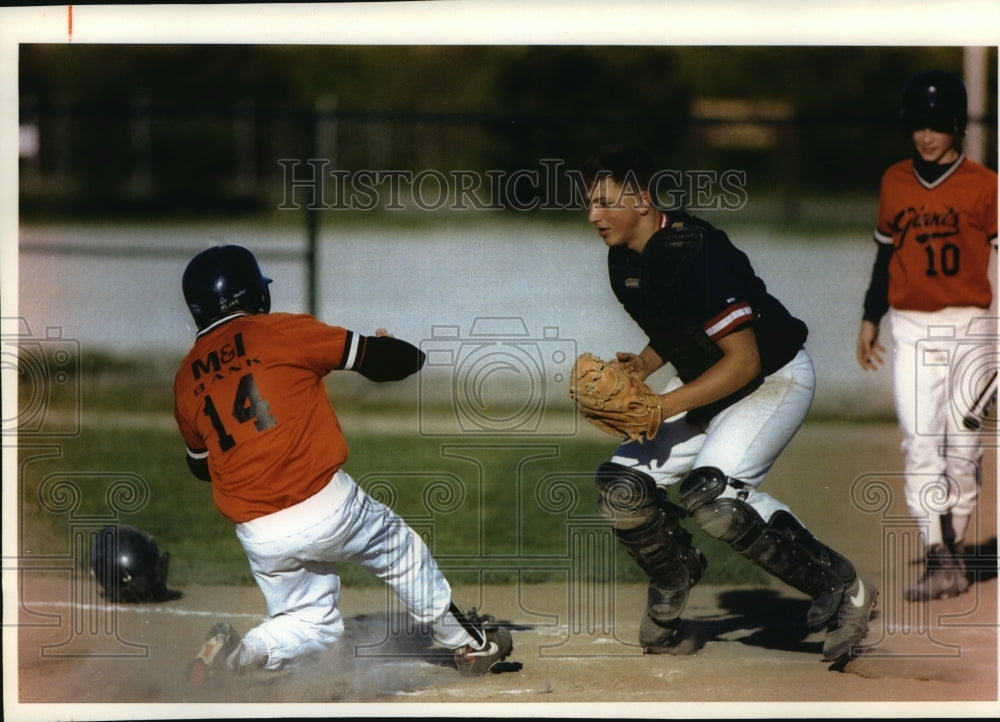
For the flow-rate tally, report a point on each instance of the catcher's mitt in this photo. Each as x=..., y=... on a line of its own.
x=613, y=400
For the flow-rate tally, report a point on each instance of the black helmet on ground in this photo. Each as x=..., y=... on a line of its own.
x=129, y=566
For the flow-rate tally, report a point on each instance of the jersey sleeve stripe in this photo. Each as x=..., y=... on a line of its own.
x=881, y=237
x=203, y=454
x=728, y=320
x=351, y=346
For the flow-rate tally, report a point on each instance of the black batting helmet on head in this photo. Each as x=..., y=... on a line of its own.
x=934, y=99
x=223, y=280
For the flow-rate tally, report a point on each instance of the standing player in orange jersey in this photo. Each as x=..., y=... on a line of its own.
x=936, y=234
x=252, y=407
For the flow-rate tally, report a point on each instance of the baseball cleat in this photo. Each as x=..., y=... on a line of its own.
x=220, y=642
x=472, y=662
x=944, y=577
x=656, y=637
x=850, y=625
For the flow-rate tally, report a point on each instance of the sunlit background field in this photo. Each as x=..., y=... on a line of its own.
x=135, y=157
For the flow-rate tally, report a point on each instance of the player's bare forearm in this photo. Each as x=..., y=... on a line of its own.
x=739, y=366
x=641, y=365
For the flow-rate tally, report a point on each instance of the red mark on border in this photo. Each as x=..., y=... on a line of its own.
x=69, y=16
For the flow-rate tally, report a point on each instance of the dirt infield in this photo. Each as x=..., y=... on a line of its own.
x=575, y=652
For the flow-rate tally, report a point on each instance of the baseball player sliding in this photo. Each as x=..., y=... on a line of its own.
x=937, y=226
x=743, y=387
x=252, y=407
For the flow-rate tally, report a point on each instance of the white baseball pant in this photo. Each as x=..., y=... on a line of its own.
x=743, y=441
x=293, y=555
x=938, y=365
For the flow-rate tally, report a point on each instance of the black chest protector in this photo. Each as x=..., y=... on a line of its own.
x=661, y=289
x=649, y=286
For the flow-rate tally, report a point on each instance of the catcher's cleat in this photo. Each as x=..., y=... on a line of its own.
x=657, y=637
x=472, y=662
x=850, y=624
x=211, y=662
x=944, y=577
x=662, y=616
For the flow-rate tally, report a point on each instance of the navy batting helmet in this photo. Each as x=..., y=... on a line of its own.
x=223, y=280
x=934, y=99
x=129, y=566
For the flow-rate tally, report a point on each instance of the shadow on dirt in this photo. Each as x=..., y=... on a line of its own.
x=758, y=617
x=981, y=561
x=764, y=618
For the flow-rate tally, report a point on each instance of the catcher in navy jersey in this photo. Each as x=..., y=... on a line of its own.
x=743, y=386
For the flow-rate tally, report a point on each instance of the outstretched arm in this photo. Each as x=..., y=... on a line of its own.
x=383, y=357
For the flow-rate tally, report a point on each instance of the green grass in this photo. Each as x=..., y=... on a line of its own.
x=492, y=509
x=165, y=500
x=495, y=510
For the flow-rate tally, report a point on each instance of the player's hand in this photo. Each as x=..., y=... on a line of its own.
x=383, y=332
x=633, y=364
x=869, y=349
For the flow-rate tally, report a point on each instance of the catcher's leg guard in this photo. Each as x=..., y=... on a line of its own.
x=648, y=527
x=782, y=546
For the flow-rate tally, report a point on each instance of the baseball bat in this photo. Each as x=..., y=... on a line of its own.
x=981, y=409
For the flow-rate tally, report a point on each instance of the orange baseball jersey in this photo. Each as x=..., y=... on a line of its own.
x=942, y=234
x=250, y=394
